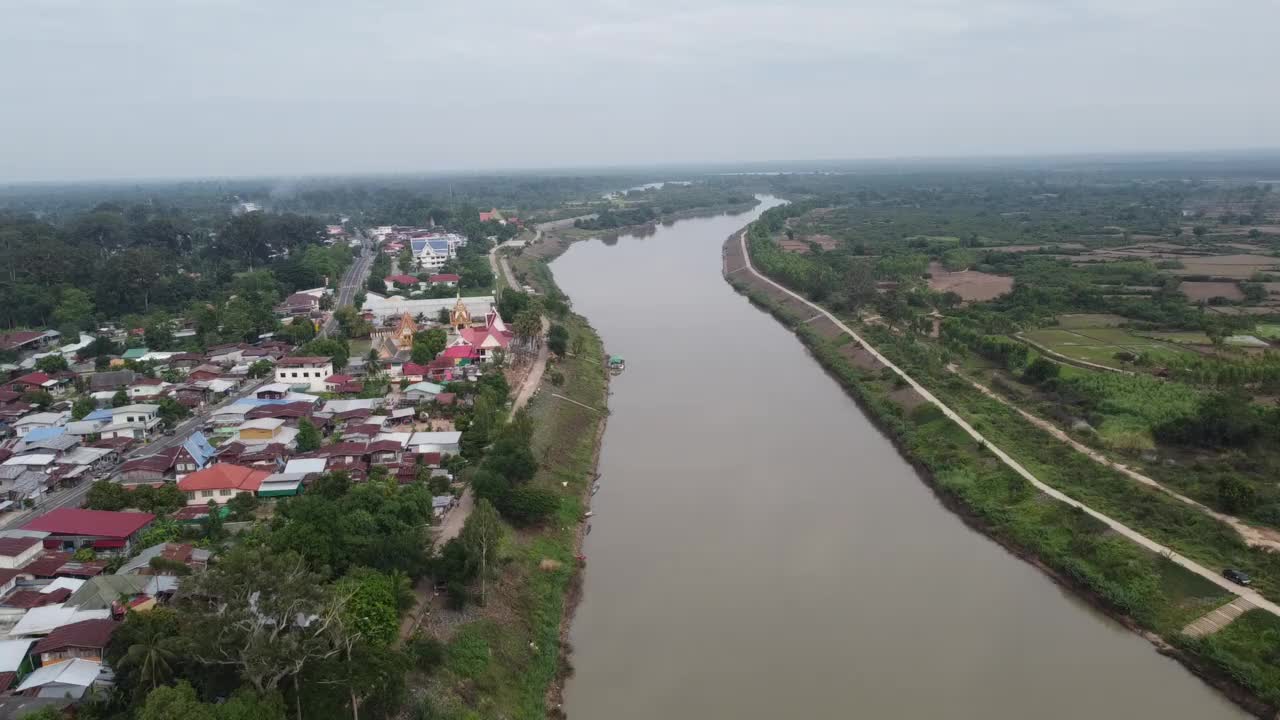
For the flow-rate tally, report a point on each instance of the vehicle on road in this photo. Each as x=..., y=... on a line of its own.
x=1236, y=576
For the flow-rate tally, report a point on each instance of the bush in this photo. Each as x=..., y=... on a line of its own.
x=528, y=505
x=427, y=652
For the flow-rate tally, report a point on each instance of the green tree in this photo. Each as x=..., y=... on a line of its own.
x=40, y=398
x=368, y=600
x=175, y=702
x=120, y=399
x=82, y=407
x=308, y=436
x=106, y=495
x=558, y=339
x=74, y=310
x=242, y=506
x=243, y=613
x=171, y=411
x=261, y=369
x=481, y=535
x=154, y=655
x=51, y=364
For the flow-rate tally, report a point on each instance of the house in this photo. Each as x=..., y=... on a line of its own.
x=445, y=279
x=266, y=430
x=343, y=453
x=193, y=455
x=21, y=340
x=152, y=470
x=191, y=556
x=86, y=640
x=71, y=679
x=298, y=304
x=422, y=392
x=401, y=281
x=305, y=466
x=135, y=354
x=32, y=381
x=384, y=452
x=40, y=420
x=334, y=383
x=145, y=387
x=14, y=661
x=281, y=485
x=16, y=551
x=273, y=391
x=132, y=421
x=220, y=483
x=108, y=592
x=204, y=372
x=441, y=442
x=111, y=381
x=304, y=371
x=73, y=528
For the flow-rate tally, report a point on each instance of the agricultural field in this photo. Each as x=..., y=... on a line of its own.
x=1101, y=345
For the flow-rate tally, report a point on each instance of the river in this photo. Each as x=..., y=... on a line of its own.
x=760, y=550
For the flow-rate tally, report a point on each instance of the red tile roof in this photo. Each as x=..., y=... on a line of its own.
x=402, y=279
x=101, y=523
x=338, y=379
x=384, y=446
x=445, y=398
x=413, y=369
x=47, y=564
x=444, y=277
x=84, y=634
x=223, y=476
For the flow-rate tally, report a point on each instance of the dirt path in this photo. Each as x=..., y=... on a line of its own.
x=1115, y=525
x=1257, y=537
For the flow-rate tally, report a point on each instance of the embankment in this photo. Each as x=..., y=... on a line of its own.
x=1066, y=544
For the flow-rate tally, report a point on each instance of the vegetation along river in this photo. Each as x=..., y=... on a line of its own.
x=760, y=550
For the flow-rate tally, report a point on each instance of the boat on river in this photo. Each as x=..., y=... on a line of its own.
x=617, y=364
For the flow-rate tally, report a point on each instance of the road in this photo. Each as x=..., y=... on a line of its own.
x=500, y=266
x=352, y=280
x=1116, y=526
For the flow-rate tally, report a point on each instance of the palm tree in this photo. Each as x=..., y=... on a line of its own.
x=153, y=657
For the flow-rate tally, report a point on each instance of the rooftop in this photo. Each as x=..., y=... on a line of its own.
x=77, y=521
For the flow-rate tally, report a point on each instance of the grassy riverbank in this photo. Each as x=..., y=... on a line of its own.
x=509, y=661
x=1147, y=592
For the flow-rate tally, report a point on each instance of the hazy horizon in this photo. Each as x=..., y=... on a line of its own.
x=140, y=89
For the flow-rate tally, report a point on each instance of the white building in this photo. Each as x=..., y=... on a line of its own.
x=309, y=371
x=383, y=307
x=132, y=421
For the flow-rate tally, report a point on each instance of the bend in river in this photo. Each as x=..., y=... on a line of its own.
x=760, y=550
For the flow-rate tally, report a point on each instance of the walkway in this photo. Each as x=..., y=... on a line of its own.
x=1257, y=537
x=1052, y=492
x=1218, y=618
x=534, y=378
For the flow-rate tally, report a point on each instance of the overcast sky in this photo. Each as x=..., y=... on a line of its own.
x=159, y=88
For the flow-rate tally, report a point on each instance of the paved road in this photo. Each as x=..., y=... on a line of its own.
x=352, y=280
x=1195, y=567
x=500, y=266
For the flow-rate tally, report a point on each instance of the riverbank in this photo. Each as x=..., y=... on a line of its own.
x=1148, y=594
x=510, y=657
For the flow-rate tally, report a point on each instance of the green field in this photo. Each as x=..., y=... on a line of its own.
x=1271, y=332
x=1099, y=345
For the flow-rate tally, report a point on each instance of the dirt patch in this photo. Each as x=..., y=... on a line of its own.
x=859, y=356
x=1208, y=290
x=907, y=398
x=970, y=285
x=827, y=329
x=1241, y=266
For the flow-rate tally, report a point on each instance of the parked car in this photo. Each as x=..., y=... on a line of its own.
x=1236, y=576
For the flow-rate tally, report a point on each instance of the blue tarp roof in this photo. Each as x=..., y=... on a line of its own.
x=43, y=434
x=199, y=448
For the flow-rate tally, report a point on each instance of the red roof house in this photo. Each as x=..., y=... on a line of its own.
x=220, y=483
x=85, y=639
x=73, y=528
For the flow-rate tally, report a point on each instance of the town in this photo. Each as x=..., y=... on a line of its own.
x=126, y=468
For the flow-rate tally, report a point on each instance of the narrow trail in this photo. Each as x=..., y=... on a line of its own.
x=1254, y=536
x=1120, y=528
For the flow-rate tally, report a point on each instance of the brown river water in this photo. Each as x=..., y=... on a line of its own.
x=760, y=550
